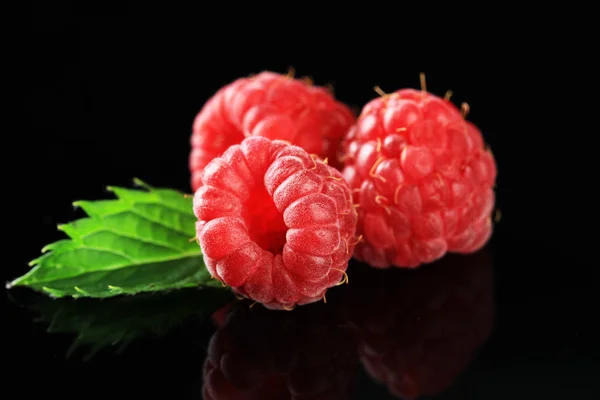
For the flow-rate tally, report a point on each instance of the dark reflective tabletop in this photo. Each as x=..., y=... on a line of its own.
x=460, y=328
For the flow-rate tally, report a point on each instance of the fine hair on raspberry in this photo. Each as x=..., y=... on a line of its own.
x=422, y=180
x=275, y=223
x=271, y=105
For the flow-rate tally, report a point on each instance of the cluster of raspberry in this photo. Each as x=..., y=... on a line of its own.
x=290, y=185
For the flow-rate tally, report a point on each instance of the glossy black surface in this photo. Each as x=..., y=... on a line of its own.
x=459, y=328
x=112, y=95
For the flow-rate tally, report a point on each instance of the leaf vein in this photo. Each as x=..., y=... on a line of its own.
x=117, y=253
x=106, y=270
x=167, y=206
x=135, y=212
x=148, y=241
x=150, y=203
x=163, y=205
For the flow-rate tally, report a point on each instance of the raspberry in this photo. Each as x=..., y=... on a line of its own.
x=420, y=329
x=258, y=354
x=422, y=179
x=270, y=105
x=274, y=223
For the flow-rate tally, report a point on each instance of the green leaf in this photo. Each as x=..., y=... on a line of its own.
x=140, y=242
x=116, y=322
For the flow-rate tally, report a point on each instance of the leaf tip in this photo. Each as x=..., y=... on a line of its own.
x=76, y=204
x=74, y=346
x=52, y=292
x=45, y=249
x=79, y=290
x=15, y=282
x=110, y=188
x=138, y=182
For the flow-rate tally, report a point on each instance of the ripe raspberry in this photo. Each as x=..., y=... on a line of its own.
x=274, y=223
x=258, y=354
x=270, y=105
x=420, y=329
x=421, y=178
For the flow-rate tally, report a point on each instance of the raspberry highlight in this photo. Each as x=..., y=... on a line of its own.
x=273, y=106
x=421, y=178
x=274, y=223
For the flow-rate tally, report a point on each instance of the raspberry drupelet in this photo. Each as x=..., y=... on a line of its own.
x=422, y=180
x=271, y=105
x=275, y=223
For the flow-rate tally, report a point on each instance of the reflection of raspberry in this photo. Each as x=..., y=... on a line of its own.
x=264, y=355
x=270, y=105
x=419, y=329
x=274, y=223
x=422, y=179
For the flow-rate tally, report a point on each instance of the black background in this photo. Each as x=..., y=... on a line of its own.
x=110, y=94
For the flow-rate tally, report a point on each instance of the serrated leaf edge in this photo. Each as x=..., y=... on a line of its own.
x=46, y=250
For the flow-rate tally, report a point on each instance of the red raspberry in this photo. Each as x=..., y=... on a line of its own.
x=420, y=329
x=270, y=105
x=258, y=354
x=422, y=179
x=274, y=223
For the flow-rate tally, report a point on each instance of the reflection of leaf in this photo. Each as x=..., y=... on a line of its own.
x=139, y=242
x=119, y=320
